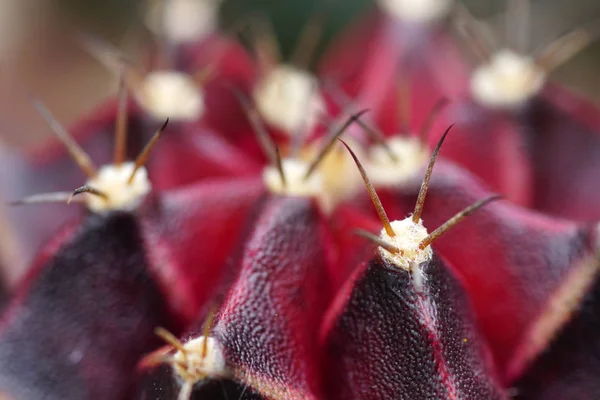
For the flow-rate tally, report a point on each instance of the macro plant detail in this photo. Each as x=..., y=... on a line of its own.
x=412, y=214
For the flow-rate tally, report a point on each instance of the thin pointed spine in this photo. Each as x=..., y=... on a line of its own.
x=120, y=152
x=280, y=167
x=452, y=222
x=42, y=198
x=563, y=49
x=518, y=24
x=310, y=37
x=472, y=33
x=330, y=142
x=145, y=153
x=416, y=216
x=171, y=339
x=378, y=241
x=267, y=144
x=377, y=136
x=164, y=49
x=81, y=158
x=404, y=105
x=156, y=358
x=433, y=114
x=385, y=221
x=113, y=60
x=265, y=46
x=374, y=134
x=206, y=330
x=87, y=189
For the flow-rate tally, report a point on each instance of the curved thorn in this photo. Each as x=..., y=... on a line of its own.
x=206, y=330
x=377, y=136
x=171, y=339
x=344, y=101
x=145, y=153
x=425, y=185
x=120, y=151
x=87, y=189
x=385, y=221
x=112, y=59
x=563, y=49
x=472, y=33
x=156, y=358
x=433, y=113
x=378, y=241
x=280, y=167
x=452, y=222
x=310, y=37
x=404, y=105
x=264, y=139
x=54, y=197
x=518, y=21
x=264, y=45
x=81, y=158
x=329, y=144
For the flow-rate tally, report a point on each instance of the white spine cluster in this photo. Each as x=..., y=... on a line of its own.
x=181, y=21
x=407, y=239
x=289, y=99
x=419, y=11
x=171, y=94
x=507, y=81
x=410, y=157
x=197, y=364
x=295, y=185
x=112, y=181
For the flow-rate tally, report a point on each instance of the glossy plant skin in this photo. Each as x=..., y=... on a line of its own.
x=303, y=308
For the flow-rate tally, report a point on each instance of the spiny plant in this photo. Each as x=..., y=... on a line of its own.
x=237, y=260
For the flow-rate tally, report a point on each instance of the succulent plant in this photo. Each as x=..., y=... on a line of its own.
x=387, y=225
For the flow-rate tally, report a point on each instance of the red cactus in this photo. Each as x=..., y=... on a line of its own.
x=77, y=325
x=404, y=313
x=264, y=229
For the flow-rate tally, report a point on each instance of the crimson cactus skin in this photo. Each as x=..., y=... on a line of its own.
x=191, y=233
x=385, y=339
x=186, y=158
x=561, y=131
x=513, y=260
x=268, y=323
x=569, y=367
x=486, y=143
x=395, y=52
x=76, y=328
x=48, y=168
x=345, y=221
x=532, y=155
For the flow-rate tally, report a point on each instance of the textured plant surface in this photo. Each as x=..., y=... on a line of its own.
x=397, y=222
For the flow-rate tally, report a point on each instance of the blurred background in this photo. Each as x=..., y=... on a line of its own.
x=37, y=54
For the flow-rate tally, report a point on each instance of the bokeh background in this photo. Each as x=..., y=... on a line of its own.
x=38, y=53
